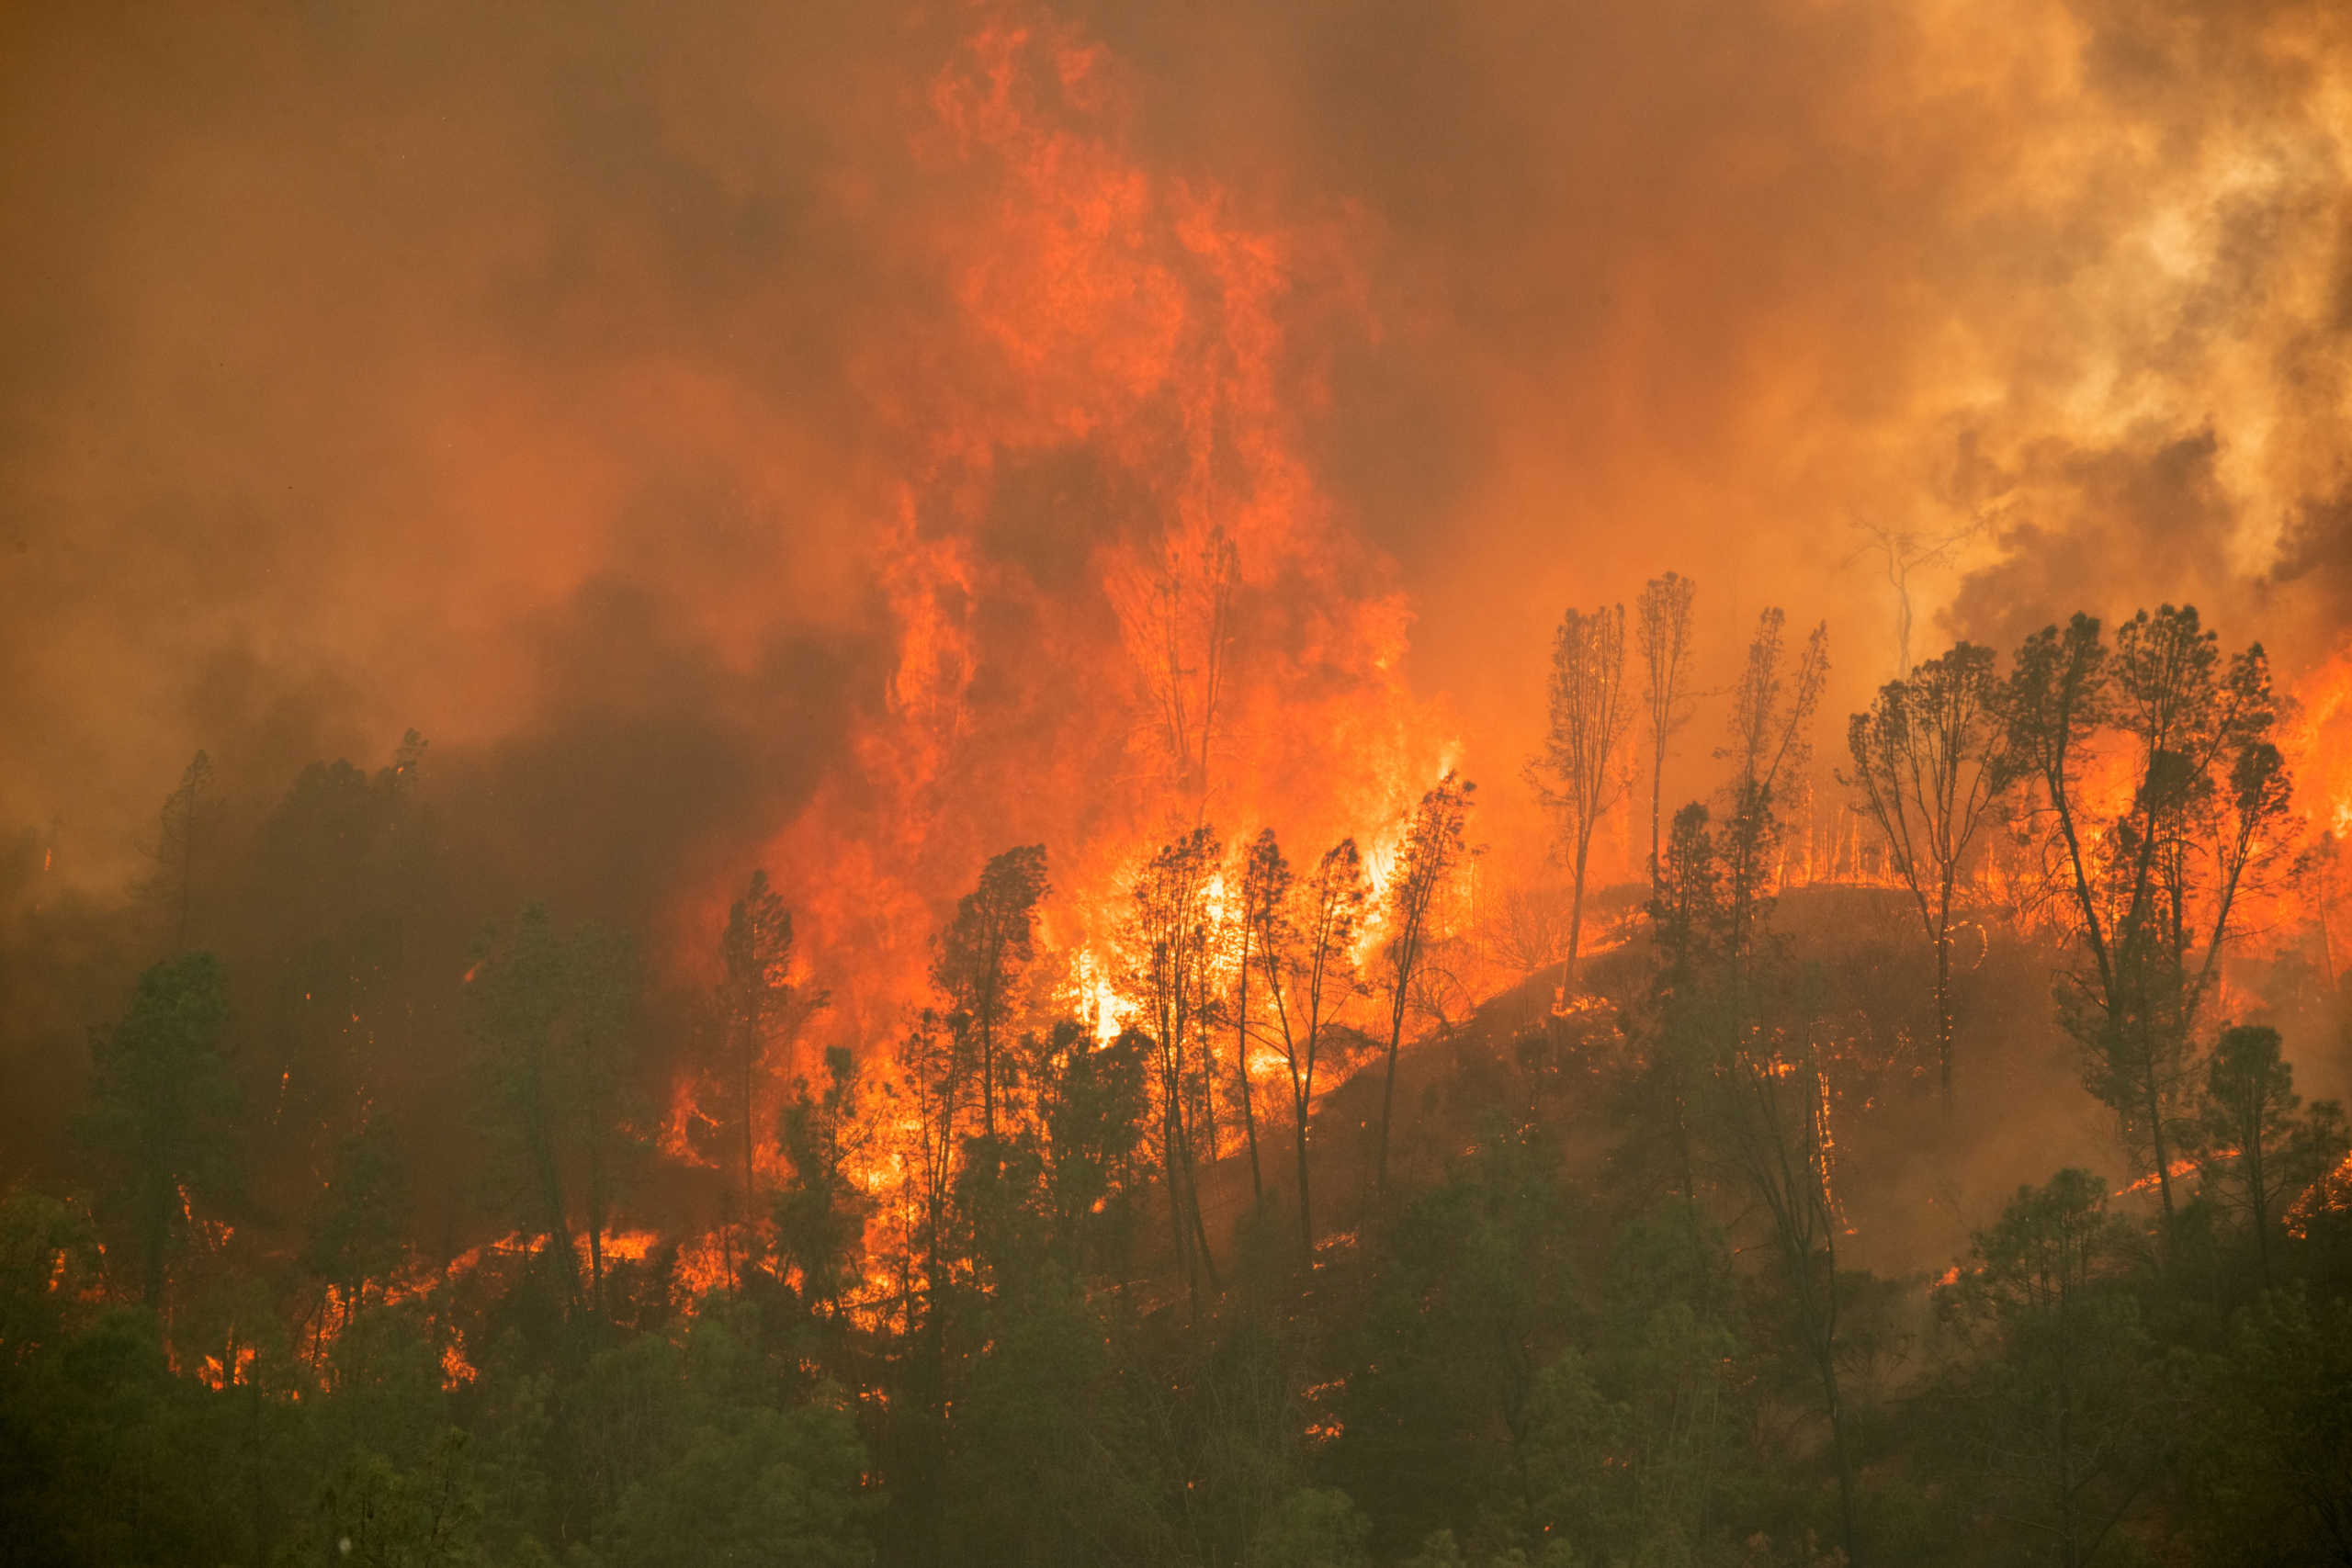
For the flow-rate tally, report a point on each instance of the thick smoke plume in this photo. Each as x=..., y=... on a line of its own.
x=836, y=436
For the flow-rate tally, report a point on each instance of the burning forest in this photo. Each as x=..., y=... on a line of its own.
x=1268, y=785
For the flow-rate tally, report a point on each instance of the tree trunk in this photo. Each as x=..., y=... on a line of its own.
x=1388, y=1099
x=1845, y=1455
x=1657, y=792
x=1943, y=992
x=2156, y=1137
x=1241, y=1070
x=1305, y=1205
x=1575, y=915
x=751, y=1053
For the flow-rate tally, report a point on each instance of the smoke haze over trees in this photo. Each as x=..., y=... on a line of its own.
x=737, y=819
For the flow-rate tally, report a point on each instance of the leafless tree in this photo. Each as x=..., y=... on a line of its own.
x=1903, y=552
x=1180, y=631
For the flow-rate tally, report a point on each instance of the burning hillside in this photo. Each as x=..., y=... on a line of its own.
x=1267, y=784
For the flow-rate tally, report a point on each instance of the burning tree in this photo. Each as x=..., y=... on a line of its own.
x=2153, y=870
x=1434, y=849
x=1663, y=634
x=1305, y=948
x=1931, y=756
x=1577, y=776
x=1265, y=882
x=1179, y=622
x=1771, y=708
x=981, y=954
x=1739, y=1053
x=1171, y=948
x=821, y=1211
x=1092, y=1105
x=762, y=1008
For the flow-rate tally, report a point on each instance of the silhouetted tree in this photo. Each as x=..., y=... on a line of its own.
x=1265, y=883
x=1307, y=937
x=2056, y=1421
x=331, y=920
x=2256, y=1152
x=1662, y=631
x=1931, y=759
x=981, y=954
x=1433, y=851
x=596, y=1067
x=937, y=1070
x=2155, y=879
x=1906, y=550
x=519, y=992
x=183, y=841
x=820, y=1210
x=762, y=1005
x=360, y=1235
x=162, y=1106
x=1771, y=706
x=1576, y=775
x=1178, y=615
x=1169, y=947
x=1092, y=1101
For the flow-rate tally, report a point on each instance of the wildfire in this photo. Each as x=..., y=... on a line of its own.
x=2331, y=1194
x=217, y=1374
x=2322, y=743
x=1213, y=643
x=2174, y=1171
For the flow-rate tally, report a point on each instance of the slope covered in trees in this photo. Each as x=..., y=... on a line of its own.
x=1949, y=1185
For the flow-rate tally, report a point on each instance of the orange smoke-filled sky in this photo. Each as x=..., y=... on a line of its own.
x=725, y=428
